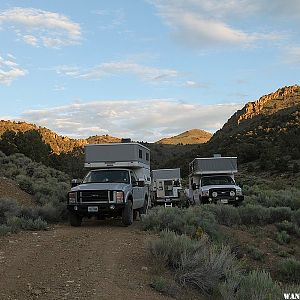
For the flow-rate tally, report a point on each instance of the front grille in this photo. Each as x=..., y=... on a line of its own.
x=222, y=193
x=94, y=196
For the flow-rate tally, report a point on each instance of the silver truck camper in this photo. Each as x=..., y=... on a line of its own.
x=166, y=187
x=211, y=180
x=117, y=183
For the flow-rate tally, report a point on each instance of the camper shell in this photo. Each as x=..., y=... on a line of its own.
x=211, y=180
x=166, y=187
x=117, y=183
x=131, y=155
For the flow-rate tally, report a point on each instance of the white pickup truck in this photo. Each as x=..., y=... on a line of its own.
x=211, y=180
x=117, y=184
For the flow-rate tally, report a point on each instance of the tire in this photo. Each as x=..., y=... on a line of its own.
x=75, y=220
x=127, y=214
x=135, y=214
x=144, y=209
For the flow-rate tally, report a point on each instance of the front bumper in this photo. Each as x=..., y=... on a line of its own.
x=96, y=209
x=162, y=201
x=236, y=200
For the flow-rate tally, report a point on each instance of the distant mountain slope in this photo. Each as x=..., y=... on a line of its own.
x=265, y=132
x=58, y=144
x=254, y=114
x=193, y=136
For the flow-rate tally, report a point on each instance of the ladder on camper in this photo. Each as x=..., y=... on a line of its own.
x=168, y=204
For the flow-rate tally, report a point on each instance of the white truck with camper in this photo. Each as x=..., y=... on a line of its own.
x=211, y=180
x=117, y=184
x=166, y=187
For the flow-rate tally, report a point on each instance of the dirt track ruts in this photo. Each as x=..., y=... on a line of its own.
x=100, y=260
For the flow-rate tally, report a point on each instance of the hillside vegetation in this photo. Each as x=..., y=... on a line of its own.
x=43, y=198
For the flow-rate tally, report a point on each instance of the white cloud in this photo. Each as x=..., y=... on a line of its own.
x=194, y=84
x=292, y=55
x=40, y=27
x=206, y=23
x=145, y=72
x=146, y=120
x=10, y=70
x=30, y=39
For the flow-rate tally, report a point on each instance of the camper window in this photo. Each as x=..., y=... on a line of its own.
x=140, y=154
x=147, y=156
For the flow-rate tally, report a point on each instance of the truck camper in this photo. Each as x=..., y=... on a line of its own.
x=117, y=183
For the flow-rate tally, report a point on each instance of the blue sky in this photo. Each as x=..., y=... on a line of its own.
x=143, y=69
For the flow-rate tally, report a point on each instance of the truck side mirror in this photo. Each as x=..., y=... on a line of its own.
x=194, y=186
x=75, y=182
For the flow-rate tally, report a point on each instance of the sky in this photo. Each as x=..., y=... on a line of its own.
x=143, y=69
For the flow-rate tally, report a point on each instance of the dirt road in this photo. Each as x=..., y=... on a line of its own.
x=100, y=260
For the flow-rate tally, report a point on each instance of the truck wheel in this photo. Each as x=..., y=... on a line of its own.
x=135, y=214
x=144, y=209
x=75, y=220
x=127, y=214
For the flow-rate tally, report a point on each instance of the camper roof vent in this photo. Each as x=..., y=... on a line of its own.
x=126, y=140
x=217, y=155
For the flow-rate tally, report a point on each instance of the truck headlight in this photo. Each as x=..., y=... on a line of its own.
x=205, y=193
x=119, y=197
x=239, y=192
x=72, y=197
x=232, y=193
x=214, y=194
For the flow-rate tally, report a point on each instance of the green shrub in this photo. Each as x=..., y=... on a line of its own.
x=289, y=227
x=16, y=224
x=197, y=263
x=225, y=214
x=278, y=214
x=192, y=221
x=258, y=285
x=282, y=237
x=165, y=286
x=8, y=208
x=4, y=229
x=254, y=215
x=255, y=253
x=206, y=267
x=170, y=248
x=25, y=183
x=265, y=196
x=289, y=270
x=296, y=217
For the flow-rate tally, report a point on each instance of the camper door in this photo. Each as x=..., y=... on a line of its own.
x=164, y=188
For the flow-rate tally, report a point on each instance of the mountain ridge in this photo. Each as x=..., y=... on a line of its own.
x=267, y=105
x=192, y=136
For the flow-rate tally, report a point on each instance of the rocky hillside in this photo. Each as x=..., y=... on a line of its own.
x=58, y=144
x=193, y=136
x=264, y=133
x=252, y=114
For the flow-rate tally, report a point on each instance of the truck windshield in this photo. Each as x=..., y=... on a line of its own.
x=107, y=176
x=217, y=180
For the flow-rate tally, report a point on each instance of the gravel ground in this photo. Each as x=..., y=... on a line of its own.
x=100, y=260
